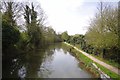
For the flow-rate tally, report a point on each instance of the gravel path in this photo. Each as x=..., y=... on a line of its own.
x=111, y=68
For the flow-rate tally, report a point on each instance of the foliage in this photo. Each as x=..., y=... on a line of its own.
x=103, y=35
x=10, y=32
x=103, y=32
x=10, y=35
x=50, y=35
x=34, y=35
x=87, y=62
x=65, y=36
x=24, y=41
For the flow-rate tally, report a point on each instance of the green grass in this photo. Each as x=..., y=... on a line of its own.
x=84, y=58
x=108, y=72
x=104, y=60
x=88, y=61
x=105, y=70
x=107, y=61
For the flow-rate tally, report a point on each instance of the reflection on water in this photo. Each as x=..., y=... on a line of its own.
x=22, y=72
x=62, y=66
x=53, y=62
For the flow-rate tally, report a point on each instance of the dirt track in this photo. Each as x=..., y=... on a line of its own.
x=111, y=68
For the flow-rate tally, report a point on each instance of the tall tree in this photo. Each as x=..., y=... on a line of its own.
x=103, y=31
x=12, y=11
x=10, y=32
x=33, y=25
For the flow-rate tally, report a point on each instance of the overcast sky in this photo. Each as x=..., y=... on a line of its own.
x=69, y=15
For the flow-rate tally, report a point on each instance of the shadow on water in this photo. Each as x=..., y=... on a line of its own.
x=53, y=61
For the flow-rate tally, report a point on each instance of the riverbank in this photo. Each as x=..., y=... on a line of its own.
x=108, y=69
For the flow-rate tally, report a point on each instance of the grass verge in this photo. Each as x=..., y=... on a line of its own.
x=107, y=61
x=87, y=61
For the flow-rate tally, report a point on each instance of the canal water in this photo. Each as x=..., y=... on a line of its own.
x=55, y=61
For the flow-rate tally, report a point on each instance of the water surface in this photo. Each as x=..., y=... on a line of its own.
x=53, y=62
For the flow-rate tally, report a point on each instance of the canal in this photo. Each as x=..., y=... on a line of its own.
x=55, y=61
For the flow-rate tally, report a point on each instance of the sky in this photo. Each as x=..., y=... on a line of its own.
x=72, y=16
x=69, y=15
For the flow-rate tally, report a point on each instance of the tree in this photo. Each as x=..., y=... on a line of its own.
x=65, y=36
x=12, y=11
x=33, y=25
x=119, y=24
x=103, y=30
x=50, y=35
x=103, y=35
x=10, y=32
x=10, y=36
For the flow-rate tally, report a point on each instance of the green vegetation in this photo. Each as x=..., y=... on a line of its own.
x=29, y=35
x=87, y=62
x=108, y=72
x=101, y=39
x=81, y=43
x=65, y=36
x=103, y=32
x=107, y=61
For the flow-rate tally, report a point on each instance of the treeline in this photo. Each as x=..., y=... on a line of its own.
x=76, y=40
x=103, y=35
x=23, y=27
